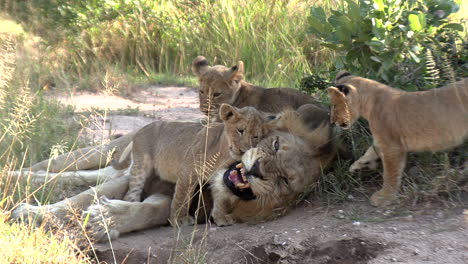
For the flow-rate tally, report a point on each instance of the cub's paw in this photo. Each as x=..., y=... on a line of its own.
x=359, y=165
x=381, y=198
x=178, y=221
x=225, y=220
x=99, y=219
x=132, y=197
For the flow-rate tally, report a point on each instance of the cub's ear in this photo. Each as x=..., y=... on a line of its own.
x=200, y=65
x=334, y=92
x=228, y=112
x=342, y=74
x=343, y=88
x=236, y=73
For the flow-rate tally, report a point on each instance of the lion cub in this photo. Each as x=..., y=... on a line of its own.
x=220, y=84
x=188, y=153
x=400, y=121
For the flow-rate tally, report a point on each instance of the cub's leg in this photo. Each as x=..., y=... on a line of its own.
x=223, y=201
x=394, y=160
x=180, y=206
x=110, y=218
x=222, y=210
x=139, y=172
x=115, y=189
x=368, y=161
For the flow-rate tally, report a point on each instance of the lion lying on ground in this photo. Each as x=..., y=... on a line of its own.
x=400, y=121
x=283, y=165
x=219, y=84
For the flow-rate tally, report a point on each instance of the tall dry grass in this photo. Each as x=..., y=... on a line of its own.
x=147, y=37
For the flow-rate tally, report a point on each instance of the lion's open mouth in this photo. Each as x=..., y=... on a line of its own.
x=238, y=178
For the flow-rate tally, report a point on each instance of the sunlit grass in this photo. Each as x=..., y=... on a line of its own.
x=21, y=243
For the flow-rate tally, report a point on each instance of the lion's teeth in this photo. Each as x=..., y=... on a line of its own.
x=243, y=177
x=240, y=165
x=243, y=185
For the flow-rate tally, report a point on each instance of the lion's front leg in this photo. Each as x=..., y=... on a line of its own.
x=115, y=189
x=368, y=161
x=180, y=206
x=110, y=218
x=394, y=161
x=223, y=201
x=222, y=210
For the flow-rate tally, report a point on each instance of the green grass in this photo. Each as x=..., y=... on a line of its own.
x=154, y=39
x=22, y=243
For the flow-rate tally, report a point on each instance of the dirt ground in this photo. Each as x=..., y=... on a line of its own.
x=352, y=232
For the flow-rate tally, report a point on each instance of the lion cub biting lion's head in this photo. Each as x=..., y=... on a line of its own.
x=400, y=121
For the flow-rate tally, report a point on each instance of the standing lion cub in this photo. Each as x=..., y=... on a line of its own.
x=400, y=121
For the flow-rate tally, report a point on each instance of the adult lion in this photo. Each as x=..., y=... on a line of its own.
x=400, y=121
x=282, y=166
x=220, y=84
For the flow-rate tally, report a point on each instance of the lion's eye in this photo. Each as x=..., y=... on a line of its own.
x=285, y=180
x=255, y=137
x=202, y=92
x=276, y=144
x=240, y=131
x=216, y=94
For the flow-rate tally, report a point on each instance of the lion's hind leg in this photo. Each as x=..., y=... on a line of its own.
x=110, y=218
x=140, y=171
x=115, y=188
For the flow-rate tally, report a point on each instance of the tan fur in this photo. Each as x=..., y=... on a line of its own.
x=400, y=121
x=88, y=158
x=175, y=152
x=285, y=171
x=219, y=84
x=301, y=156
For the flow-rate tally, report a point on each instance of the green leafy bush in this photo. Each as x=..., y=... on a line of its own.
x=391, y=40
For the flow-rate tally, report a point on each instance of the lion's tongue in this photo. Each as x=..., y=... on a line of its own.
x=234, y=177
x=238, y=180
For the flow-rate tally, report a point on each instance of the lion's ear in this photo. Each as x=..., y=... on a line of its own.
x=236, y=73
x=200, y=65
x=342, y=74
x=228, y=112
x=343, y=88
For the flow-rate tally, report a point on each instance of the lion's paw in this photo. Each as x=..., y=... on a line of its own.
x=102, y=218
x=182, y=221
x=381, y=198
x=25, y=211
x=132, y=197
x=37, y=213
x=363, y=165
x=225, y=220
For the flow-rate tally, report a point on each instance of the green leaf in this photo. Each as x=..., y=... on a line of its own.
x=455, y=26
x=415, y=24
x=379, y=5
x=414, y=57
x=354, y=12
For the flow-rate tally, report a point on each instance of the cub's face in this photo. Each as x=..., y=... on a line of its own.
x=244, y=127
x=344, y=105
x=218, y=85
